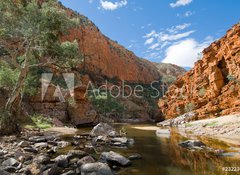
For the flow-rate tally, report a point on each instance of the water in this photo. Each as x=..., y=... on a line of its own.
x=161, y=155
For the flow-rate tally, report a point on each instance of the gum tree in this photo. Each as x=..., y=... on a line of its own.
x=30, y=37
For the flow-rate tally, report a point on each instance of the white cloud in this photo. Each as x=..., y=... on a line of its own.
x=154, y=46
x=174, y=37
x=179, y=3
x=148, y=35
x=108, y=5
x=149, y=41
x=184, y=53
x=175, y=29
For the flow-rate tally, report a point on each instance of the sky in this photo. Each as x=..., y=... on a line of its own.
x=169, y=31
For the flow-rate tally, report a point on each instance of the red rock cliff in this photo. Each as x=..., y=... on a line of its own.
x=211, y=88
x=104, y=57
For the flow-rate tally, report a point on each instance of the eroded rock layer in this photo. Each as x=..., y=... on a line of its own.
x=211, y=88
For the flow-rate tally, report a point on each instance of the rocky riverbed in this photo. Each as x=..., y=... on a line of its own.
x=38, y=152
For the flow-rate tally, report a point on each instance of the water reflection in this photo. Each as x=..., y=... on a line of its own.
x=162, y=155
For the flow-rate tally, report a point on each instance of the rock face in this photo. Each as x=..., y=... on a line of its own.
x=106, y=58
x=171, y=70
x=211, y=88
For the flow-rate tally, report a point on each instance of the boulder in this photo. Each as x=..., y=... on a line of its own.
x=76, y=154
x=192, y=144
x=23, y=144
x=102, y=129
x=10, y=162
x=122, y=140
x=114, y=158
x=62, y=161
x=42, y=159
x=96, y=168
x=85, y=160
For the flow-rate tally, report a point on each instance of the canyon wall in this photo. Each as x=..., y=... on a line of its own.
x=211, y=88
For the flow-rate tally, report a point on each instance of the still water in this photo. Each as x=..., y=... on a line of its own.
x=161, y=155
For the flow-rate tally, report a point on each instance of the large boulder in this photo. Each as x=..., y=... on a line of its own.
x=82, y=112
x=96, y=168
x=114, y=158
x=102, y=129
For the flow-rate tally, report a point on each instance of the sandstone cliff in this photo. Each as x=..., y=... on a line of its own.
x=211, y=88
x=106, y=58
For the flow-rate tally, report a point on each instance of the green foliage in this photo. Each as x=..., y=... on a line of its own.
x=189, y=107
x=202, y=92
x=38, y=121
x=8, y=76
x=231, y=78
x=104, y=103
x=168, y=79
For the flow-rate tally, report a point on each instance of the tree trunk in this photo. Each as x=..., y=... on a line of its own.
x=15, y=97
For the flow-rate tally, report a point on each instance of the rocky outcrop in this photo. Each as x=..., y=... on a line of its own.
x=211, y=88
x=76, y=110
x=170, y=70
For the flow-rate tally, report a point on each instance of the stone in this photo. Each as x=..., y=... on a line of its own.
x=96, y=168
x=10, y=162
x=113, y=134
x=192, y=144
x=2, y=153
x=10, y=169
x=51, y=171
x=135, y=157
x=4, y=172
x=37, y=139
x=76, y=154
x=62, y=161
x=102, y=129
x=122, y=140
x=85, y=160
x=23, y=144
x=30, y=149
x=114, y=158
x=41, y=145
x=42, y=159
x=69, y=173
x=63, y=144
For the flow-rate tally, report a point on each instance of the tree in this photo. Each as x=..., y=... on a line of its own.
x=30, y=37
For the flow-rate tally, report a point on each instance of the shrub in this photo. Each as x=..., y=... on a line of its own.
x=202, y=92
x=38, y=121
x=189, y=107
x=104, y=103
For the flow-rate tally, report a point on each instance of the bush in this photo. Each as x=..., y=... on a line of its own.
x=202, y=92
x=104, y=103
x=189, y=107
x=38, y=121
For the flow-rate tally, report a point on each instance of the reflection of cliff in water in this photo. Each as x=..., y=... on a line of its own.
x=199, y=162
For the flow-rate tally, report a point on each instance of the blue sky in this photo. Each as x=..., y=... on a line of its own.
x=172, y=31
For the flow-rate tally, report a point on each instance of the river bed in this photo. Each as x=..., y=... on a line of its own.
x=161, y=154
